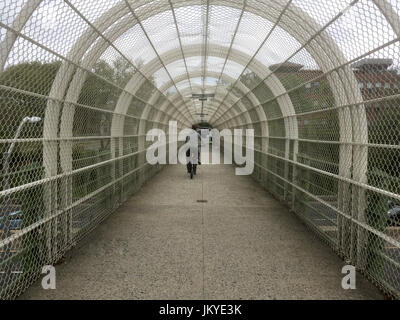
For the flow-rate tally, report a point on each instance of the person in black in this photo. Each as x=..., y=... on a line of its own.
x=192, y=160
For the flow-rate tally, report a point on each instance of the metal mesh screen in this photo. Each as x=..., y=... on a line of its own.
x=81, y=83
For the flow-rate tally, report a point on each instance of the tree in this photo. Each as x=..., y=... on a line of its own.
x=34, y=77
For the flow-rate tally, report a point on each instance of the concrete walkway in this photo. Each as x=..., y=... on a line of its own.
x=163, y=244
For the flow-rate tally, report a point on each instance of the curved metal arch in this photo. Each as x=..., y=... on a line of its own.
x=243, y=116
x=344, y=86
x=273, y=83
x=60, y=84
x=225, y=4
x=168, y=8
x=18, y=24
x=249, y=10
x=339, y=85
x=352, y=120
x=308, y=19
x=224, y=77
x=80, y=49
x=345, y=91
x=383, y=5
x=216, y=98
x=325, y=64
x=188, y=90
x=337, y=94
x=258, y=68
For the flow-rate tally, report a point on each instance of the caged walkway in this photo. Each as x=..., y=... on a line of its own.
x=164, y=244
x=316, y=83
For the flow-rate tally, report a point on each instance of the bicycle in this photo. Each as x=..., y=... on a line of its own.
x=192, y=168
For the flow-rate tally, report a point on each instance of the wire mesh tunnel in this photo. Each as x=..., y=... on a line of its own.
x=82, y=82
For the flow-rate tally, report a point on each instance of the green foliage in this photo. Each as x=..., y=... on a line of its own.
x=104, y=94
x=250, y=79
x=35, y=77
x=31, y=76
x=24, y=91
x=384, y=128
x=383, y=173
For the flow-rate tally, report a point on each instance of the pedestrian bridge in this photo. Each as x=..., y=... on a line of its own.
x=83, y=82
